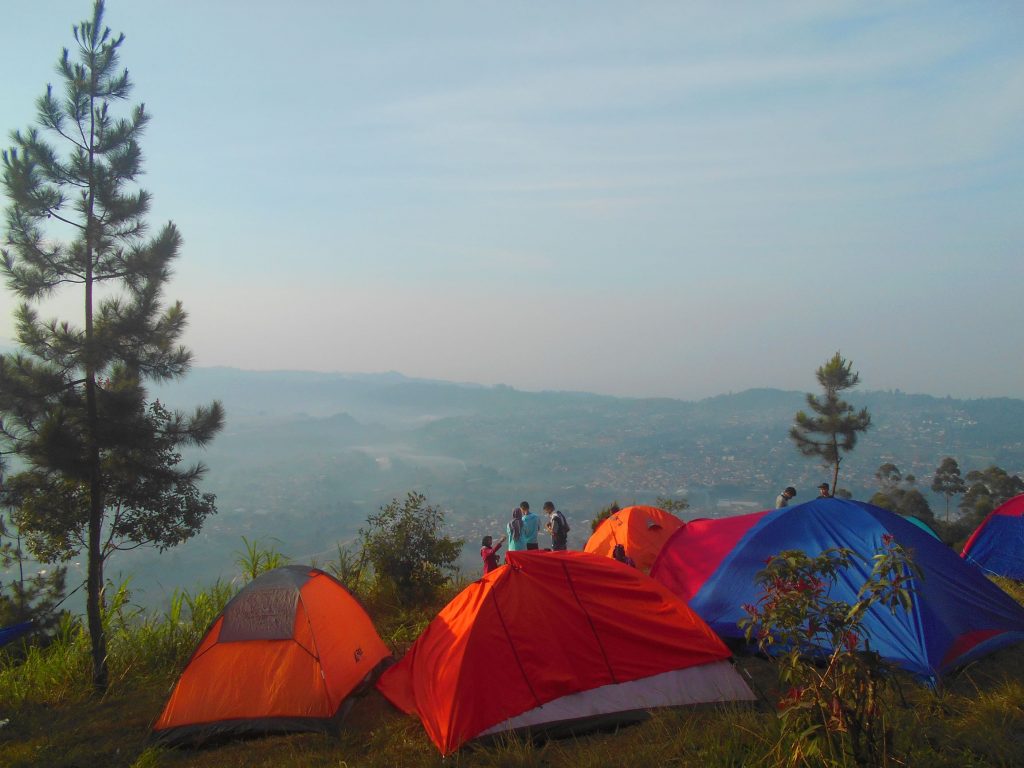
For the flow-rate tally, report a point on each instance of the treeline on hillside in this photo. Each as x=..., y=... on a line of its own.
x=980, y=492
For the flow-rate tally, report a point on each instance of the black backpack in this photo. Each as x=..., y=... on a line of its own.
x=559, y=525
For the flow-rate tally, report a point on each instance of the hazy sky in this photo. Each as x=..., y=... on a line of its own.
x=673, y=198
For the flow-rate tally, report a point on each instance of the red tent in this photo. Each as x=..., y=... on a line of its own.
x=284, y=655
x=692, y=553
x=557, y=638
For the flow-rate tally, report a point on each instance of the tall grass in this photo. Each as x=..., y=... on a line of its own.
x=159, y=644
x=259, y=556
x=141, y=647
x=60, y=671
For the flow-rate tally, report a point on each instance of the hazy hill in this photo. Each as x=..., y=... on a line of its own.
x=306, y=456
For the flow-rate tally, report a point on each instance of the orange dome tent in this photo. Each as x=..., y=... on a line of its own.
x=557, y=639
x=641, y=530
x=284, y=655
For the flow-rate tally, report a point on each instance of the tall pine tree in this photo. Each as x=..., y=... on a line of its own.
x=104, y=469
x=833, y=425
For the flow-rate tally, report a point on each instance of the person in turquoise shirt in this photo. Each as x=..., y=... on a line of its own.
x=514, y=532
x=531, y=524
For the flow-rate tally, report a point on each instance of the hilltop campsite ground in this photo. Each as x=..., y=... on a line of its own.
x=50, y=719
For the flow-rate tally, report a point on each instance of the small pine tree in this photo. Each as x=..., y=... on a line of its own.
x=835, y=420
x=671, y=505
x=603, y=515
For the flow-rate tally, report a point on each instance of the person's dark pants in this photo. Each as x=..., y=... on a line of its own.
x=532, y=545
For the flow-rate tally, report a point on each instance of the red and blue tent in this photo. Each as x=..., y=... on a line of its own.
x=997, y=545
x=957, y=613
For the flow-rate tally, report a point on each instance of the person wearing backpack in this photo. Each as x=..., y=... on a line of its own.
x=557, y=526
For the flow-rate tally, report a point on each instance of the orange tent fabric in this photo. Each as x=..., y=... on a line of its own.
x=641, y=530
x=283, y=655
x=557, y=637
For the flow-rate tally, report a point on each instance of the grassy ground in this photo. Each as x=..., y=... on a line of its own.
x=976, y=720
x=48, y=717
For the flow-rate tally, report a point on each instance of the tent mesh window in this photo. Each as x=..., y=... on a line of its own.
x=266, y=614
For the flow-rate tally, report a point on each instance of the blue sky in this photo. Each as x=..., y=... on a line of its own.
x=672, y=199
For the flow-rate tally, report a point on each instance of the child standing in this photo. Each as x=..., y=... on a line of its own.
x=489, y=553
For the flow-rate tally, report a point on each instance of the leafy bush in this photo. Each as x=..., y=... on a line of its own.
x=832, y=705
x=407, y=551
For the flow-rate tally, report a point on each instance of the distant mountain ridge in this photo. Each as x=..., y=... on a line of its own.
x=395, y=397
x=305, y=457
x=532, y=434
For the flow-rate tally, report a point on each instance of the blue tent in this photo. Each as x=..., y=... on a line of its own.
x=14, y=631
x=957, y=614
x=922, y=525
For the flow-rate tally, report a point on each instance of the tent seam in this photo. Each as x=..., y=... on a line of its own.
x=590, y=622
x=512, y=645
x=316, y=649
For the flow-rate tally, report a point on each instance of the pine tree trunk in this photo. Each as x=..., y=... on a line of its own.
x=94, y=601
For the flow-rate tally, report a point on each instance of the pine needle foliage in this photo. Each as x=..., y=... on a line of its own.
x=104, y=470
x=832, y=426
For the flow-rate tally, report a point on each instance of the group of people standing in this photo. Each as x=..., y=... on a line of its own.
x=522, y=532
x=782, y=500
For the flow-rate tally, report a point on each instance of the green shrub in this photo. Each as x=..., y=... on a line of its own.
x=409, y=555
x=833, y=700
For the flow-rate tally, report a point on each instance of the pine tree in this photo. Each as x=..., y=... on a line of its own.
x=73, y=404
x=835, y=420
x=604, y=514
x=947, y=481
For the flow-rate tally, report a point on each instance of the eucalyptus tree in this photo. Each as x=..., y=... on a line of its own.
x=104, y=467
x=898, y=493
x=947, y=481
x=832, y=426
x=987, y=489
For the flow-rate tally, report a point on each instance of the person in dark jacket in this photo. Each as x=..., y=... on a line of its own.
x=557, y=526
